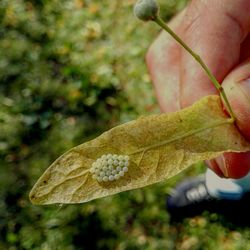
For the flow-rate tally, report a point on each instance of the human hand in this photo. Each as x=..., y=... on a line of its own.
x=218, y=31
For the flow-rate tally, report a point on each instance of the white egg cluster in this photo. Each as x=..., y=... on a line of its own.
x=109, y=167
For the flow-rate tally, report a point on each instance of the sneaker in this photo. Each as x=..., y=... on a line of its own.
x=191, y=198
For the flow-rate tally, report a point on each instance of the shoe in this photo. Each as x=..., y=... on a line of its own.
x=191, y=198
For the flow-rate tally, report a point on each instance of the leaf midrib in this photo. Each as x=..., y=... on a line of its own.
x=192, y=132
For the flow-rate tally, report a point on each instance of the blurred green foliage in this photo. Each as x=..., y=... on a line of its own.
x=69, y=70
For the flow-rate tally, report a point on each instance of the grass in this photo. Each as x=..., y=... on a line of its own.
x=70, y=70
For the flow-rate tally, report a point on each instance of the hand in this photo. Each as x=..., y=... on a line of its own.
x=219, y=31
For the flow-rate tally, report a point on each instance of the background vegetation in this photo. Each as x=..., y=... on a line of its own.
x=70, y=69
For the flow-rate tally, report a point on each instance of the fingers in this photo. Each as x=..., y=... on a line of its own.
x=214, y=166
x=208, y=31
x=237, y=88
x=231, y=165
x=163, y=63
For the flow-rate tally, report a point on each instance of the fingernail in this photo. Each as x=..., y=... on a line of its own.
x=214, y=166
x=222, y=165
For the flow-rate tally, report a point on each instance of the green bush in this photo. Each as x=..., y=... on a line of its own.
x=70, y=70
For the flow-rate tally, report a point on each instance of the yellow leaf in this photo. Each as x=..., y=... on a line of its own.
x=158, y=146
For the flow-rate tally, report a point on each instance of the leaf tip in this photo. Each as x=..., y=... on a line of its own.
x=32, y=197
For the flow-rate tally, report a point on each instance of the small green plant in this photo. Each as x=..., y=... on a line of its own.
x=155, y=147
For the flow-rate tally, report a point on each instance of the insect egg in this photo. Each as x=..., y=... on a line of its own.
x=94, y=176
x=109, y=167
x=126, y=157
x=102, y=174
x=105, y=178
x=121, y=173
x=92, y=170
x=107, y=173
x=111, y=177
x=97, y=171
x=110, y=161
x=125, y=169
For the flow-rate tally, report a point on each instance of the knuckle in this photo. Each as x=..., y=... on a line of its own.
x=194, y=13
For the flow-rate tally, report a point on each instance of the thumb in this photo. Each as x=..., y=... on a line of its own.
x=237, y=88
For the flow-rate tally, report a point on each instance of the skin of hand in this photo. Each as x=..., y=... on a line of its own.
x=218, y=31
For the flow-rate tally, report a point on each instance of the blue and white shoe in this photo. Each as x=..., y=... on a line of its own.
x=191, y=198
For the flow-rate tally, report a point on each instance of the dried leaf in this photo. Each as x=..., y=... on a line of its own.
x=159, y=147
